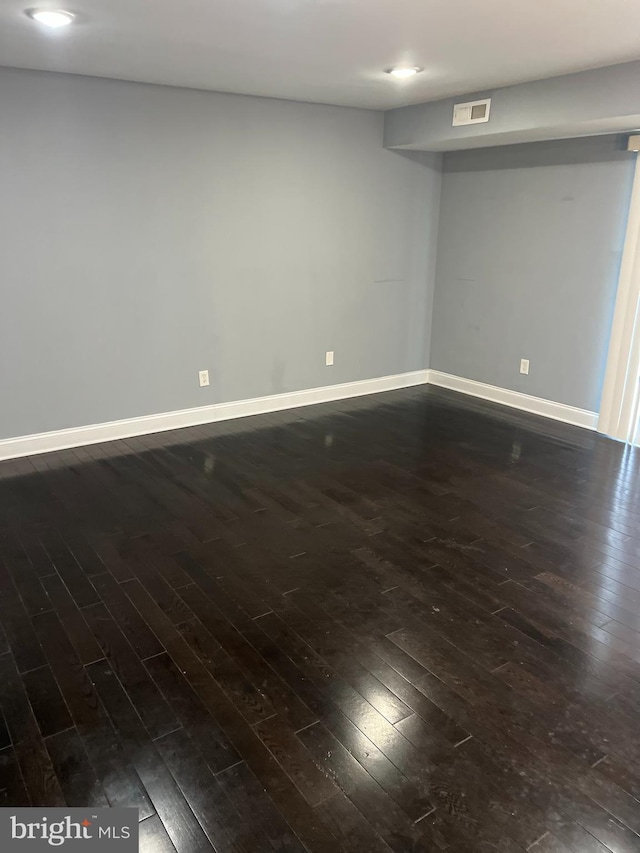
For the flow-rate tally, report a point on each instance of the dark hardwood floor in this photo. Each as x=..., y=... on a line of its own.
x=407, y=622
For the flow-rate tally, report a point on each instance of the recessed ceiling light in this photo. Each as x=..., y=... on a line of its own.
x=51, y=17
x=402, y=73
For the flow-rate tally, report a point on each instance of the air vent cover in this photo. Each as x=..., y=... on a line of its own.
x=473, y=112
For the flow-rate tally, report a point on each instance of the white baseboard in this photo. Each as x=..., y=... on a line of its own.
x=46, y=442
x=524, y=402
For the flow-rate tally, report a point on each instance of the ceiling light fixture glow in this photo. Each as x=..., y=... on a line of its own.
x=52, y=17
x=403, y=73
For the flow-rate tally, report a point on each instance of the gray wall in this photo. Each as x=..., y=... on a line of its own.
x=529, y=249
x=149, y=232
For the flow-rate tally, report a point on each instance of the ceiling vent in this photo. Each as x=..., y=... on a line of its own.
x=473, y=112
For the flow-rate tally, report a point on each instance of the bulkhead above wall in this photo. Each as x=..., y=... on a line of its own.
x=589, y=103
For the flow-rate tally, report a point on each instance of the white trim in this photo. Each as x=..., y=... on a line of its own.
x=620, y=390
x=524, y=402
x=46, y=442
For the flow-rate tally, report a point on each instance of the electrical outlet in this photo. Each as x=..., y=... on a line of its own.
x=328, y=359
x=524, y=366
x=203, y=376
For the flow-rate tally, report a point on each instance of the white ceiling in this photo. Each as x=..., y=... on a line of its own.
x=331, y=51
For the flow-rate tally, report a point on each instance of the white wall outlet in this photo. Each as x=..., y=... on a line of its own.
x=524, y=366
x=203, y=376
x=328, y=359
